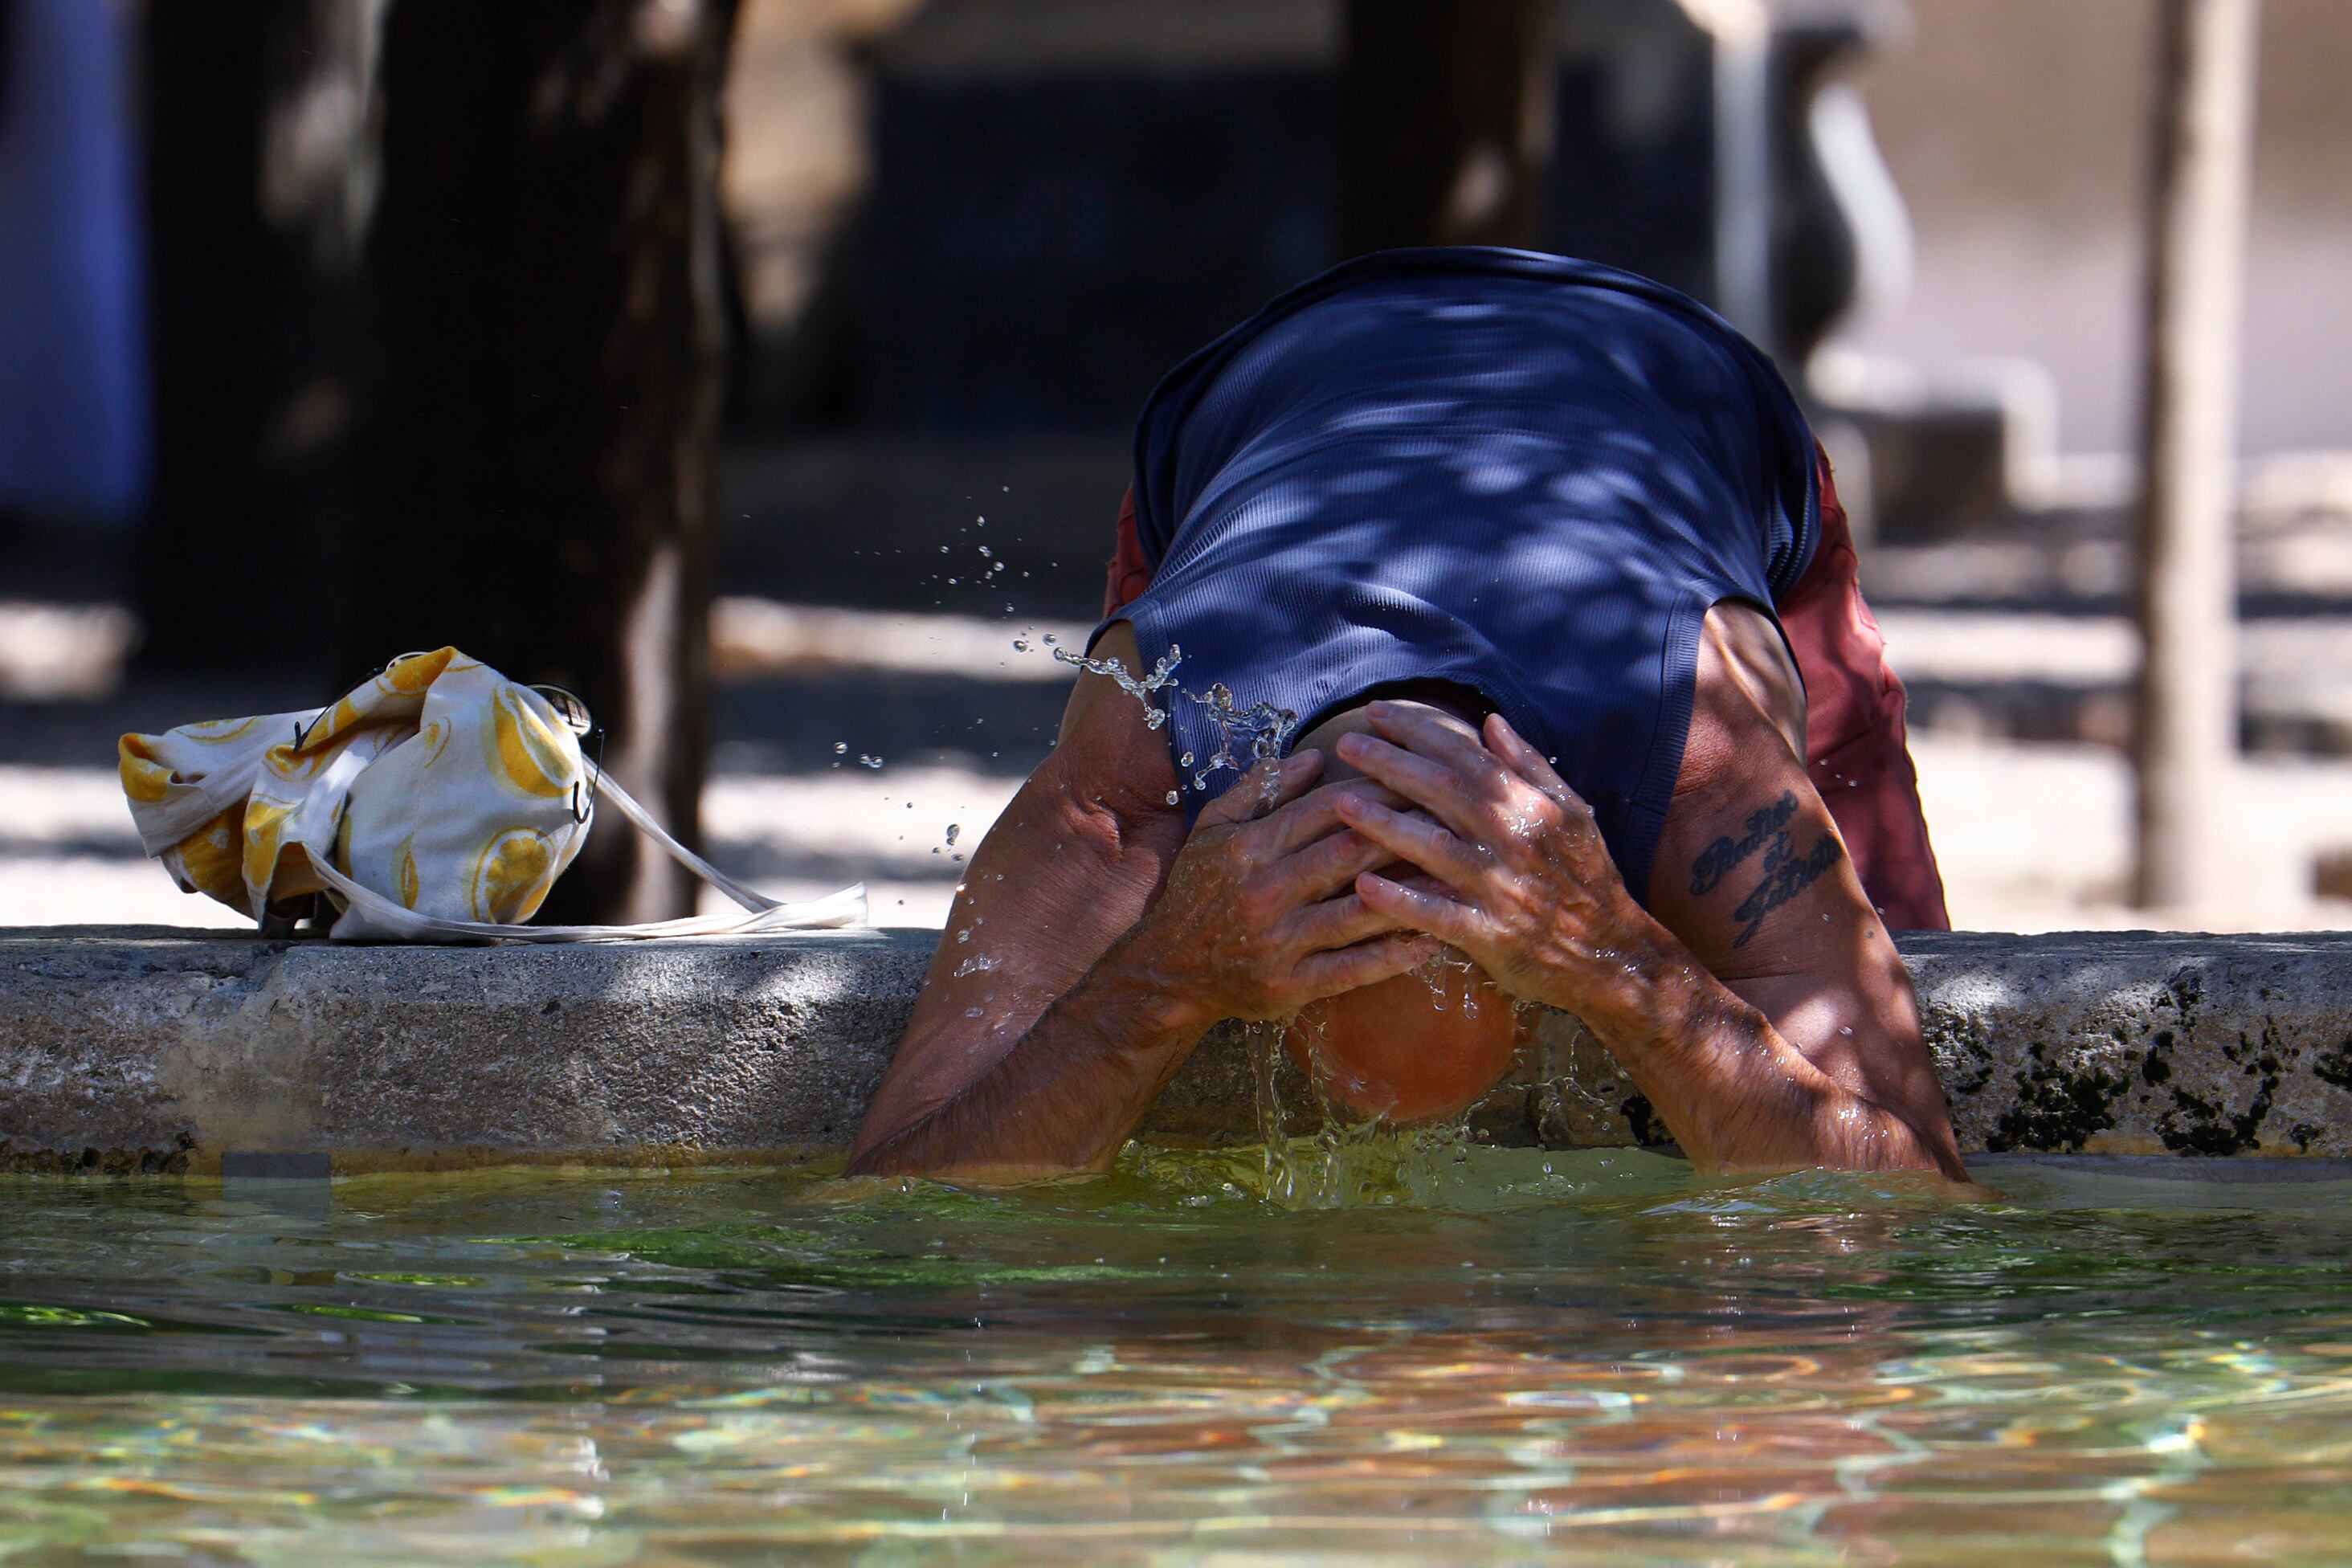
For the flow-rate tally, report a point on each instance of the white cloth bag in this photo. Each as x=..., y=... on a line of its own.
x=436, y=802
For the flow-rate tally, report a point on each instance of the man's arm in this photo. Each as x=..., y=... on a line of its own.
x=1092, y=943
x=1011, y=1061
x=1754, y=877
x=1761, y=1009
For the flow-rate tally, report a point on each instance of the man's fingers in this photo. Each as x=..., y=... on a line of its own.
x=1456, y=924
x=1414, y=839
x=1325, y=866
x=1440, y=737
x=1248, y=796
x=1436, y=787
x=1366, y=963
x=1526, y=761
x=1315, y=813
x=1334, y=923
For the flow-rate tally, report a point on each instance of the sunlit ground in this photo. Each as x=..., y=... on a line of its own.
x=2031, y=837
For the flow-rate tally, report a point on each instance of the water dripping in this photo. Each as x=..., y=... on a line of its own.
x=1264, y=1044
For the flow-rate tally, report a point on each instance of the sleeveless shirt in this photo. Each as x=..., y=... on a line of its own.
x=1518, y=476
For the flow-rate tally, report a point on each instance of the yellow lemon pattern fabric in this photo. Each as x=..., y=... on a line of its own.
x=510, y=876
x=526, y=754
x=438, y=783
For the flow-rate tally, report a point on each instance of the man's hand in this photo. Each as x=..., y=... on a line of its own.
x=1527, y=887
x=1258, y=916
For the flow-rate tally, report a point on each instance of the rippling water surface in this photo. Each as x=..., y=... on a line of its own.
x=1540, y=1357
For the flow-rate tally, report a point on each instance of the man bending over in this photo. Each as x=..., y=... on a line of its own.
x=1545, y=563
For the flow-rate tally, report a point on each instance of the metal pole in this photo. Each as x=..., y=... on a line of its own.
x=2188, y=720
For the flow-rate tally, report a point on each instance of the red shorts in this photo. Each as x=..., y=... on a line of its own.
x=1856, y=745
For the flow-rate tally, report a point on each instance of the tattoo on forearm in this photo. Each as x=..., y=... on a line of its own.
x=1785, y=876
x=1717, y=859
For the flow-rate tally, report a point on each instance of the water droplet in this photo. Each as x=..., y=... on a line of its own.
x=839, y=747
x=943, y=549
x=1019, y=645
x=983, y=549
x=1175, y=799
x=865, y=761
x=954, y=828
x=964, y=935
x=1050, y=639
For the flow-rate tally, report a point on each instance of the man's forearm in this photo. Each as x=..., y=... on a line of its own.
x=1065, y=1097
x=1734, y=1092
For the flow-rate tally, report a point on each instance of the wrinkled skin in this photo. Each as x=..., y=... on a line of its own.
x=1527, y=888
x=1259, y=917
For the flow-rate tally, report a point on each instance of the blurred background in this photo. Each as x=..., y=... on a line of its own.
x=763, y=370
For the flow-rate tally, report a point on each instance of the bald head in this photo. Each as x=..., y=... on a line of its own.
x=1356, y=721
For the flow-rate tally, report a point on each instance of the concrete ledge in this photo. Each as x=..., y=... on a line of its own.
x=153, y=1049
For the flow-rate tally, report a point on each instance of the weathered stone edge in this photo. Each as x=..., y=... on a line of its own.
x=156, y=1049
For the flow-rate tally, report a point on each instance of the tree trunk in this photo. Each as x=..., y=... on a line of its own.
x=257, y=168
x=2187, y=733
x=545, y=268
x=1445, y=122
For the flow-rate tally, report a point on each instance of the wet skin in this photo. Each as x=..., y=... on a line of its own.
x=1756, y=1001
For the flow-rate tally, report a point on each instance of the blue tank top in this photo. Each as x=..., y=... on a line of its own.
x=1520, y=476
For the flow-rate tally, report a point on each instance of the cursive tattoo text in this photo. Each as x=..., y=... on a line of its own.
x=1717, y=860
x=1785, y=876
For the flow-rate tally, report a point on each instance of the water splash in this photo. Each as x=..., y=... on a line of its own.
x=1265, y=729
x=1245, y=736
x=1163, y=675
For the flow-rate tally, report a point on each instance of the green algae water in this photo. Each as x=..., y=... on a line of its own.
x=1494, y=1356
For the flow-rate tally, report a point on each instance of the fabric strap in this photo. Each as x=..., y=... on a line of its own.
x=317, y=828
